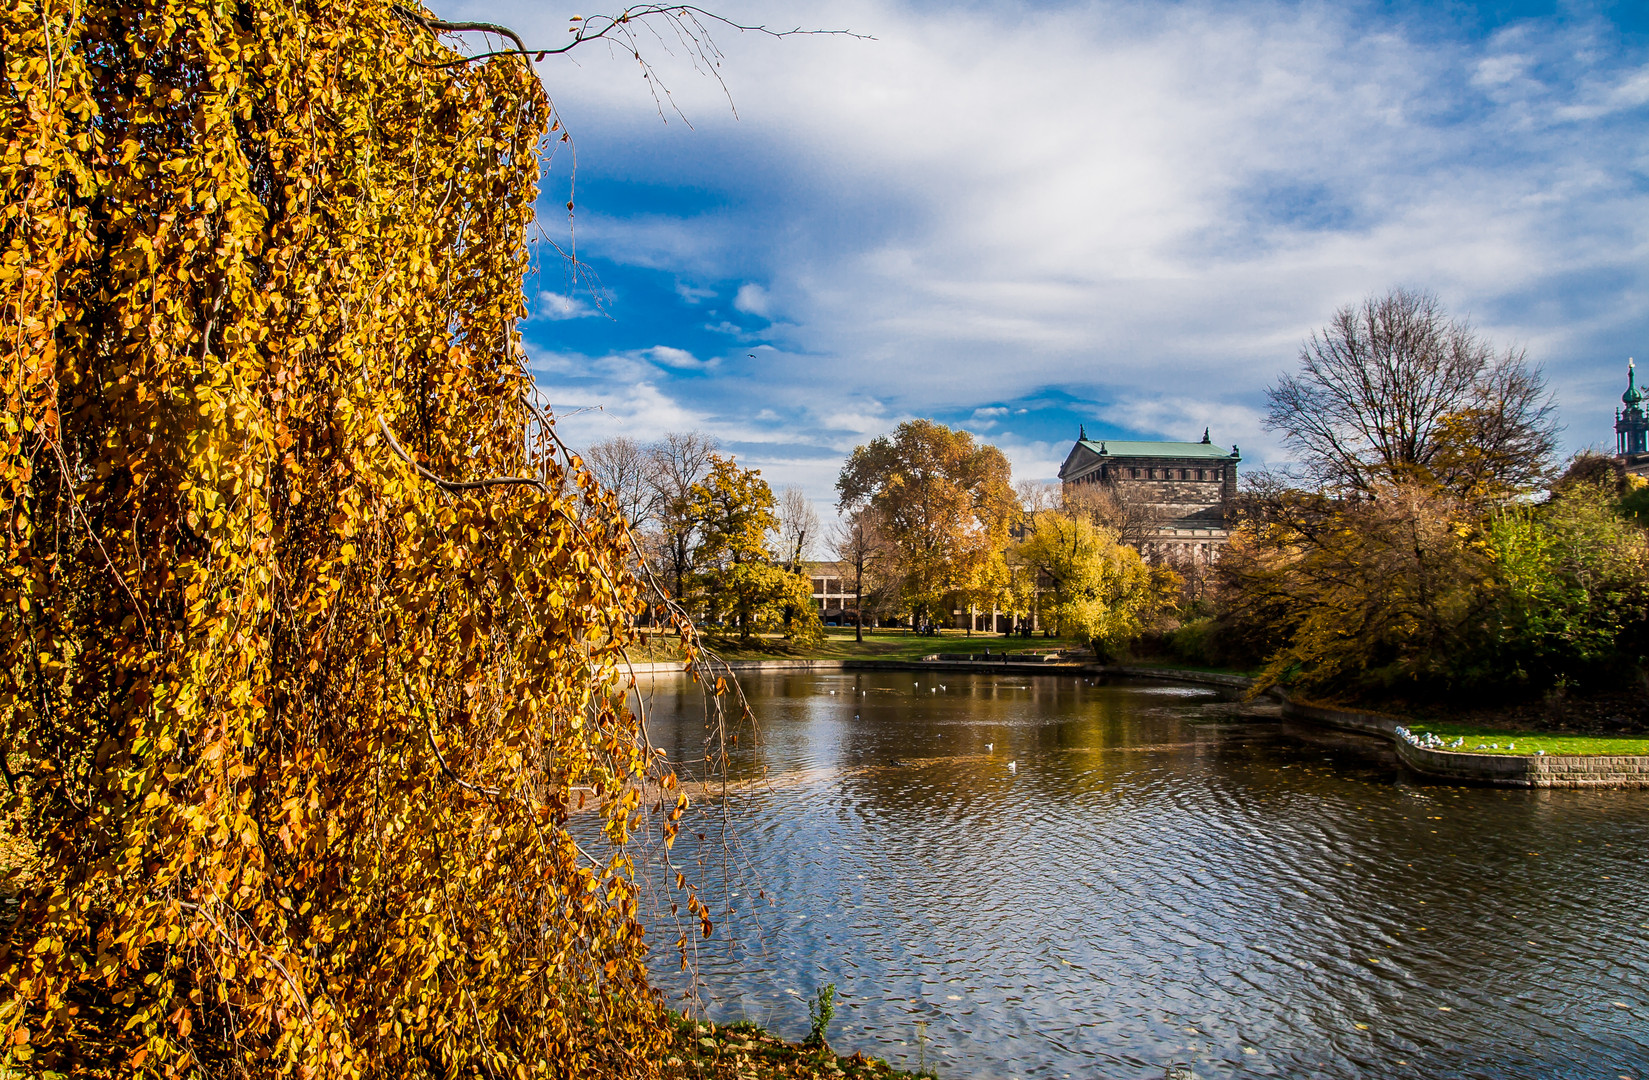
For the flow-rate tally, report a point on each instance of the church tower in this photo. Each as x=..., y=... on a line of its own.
x=1631, y=424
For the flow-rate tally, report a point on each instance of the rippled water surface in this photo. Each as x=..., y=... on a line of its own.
x=1161, y=878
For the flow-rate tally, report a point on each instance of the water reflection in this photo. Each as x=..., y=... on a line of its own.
x=1163, y=878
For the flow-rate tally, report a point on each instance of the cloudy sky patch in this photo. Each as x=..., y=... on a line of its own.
x=1126, y=215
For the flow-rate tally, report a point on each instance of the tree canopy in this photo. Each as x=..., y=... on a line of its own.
x=740, y=577
x=309, y=625
x=1393, y=390
x=943, y=504
x=1084, y=580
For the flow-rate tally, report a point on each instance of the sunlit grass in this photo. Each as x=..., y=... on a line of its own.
x=1484, y=739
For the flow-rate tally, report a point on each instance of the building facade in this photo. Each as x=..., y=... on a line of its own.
x=1188, y=485
x=833, y=592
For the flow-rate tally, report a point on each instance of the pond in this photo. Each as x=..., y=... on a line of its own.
x=1054, y=876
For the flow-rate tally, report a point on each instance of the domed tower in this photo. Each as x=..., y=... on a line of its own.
x=1631, y=424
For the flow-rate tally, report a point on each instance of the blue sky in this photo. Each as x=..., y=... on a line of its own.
x=1019, y=218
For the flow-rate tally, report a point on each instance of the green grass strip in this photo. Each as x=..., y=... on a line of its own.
x=1482, y=739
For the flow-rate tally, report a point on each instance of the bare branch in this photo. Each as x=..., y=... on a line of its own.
x=457, y=485
x=608, y=27
x=435, y=25
x=1393, y=390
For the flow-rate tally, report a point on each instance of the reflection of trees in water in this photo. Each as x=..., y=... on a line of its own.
x=1160, y=861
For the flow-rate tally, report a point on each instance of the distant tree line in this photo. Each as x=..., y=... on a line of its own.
x=929, y=522
x=933, y=524
x=727, y=549
x=1425, y=541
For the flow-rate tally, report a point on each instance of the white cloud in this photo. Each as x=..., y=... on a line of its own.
x=1630, y=92
x=556, y=307
x=752, y=299
x=680, y=359
x=867, y=421
x=1150, y=207
x=1499, y=70
x=693, y=294
x=1173, y=416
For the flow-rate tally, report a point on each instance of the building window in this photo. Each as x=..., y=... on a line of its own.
x=1136, y=473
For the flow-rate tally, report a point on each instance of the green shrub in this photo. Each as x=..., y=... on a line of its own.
x=819, y=1013
x=1196, y=642
x=1571, y=589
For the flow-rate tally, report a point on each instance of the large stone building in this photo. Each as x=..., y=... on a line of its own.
x=1188, y=485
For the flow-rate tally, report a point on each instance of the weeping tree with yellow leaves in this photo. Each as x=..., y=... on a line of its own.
x=308, y=623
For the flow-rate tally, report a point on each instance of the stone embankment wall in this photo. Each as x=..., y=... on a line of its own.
x=674, y=667
x=1212, y=678
x=1505, y=770
x=1367, y=723
x=1527, y=770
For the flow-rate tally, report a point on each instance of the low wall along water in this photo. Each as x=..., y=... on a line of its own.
x=1506, y=770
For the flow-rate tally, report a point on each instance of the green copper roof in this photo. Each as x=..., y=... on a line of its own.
x=1633, y=395
x=1117, y=448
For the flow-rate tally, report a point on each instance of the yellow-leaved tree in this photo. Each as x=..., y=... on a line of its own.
x=1085, y=581
x=308, y=626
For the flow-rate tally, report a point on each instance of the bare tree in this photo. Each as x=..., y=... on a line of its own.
x=1121, y=507
x=624, y=468
x=858, y=543
x=1393, y=390
x=798, y=528
x=674, y=464
x=1036, y=496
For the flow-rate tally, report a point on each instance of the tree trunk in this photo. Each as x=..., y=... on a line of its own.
x=859, y=600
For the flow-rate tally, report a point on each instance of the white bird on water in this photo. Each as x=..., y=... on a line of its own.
x=1013, y=766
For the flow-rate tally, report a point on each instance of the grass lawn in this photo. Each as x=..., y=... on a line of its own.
x=1481, y=739
x=878, y=645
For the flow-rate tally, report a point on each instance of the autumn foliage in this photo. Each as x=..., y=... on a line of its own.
x=943, y=504
x=308, y=625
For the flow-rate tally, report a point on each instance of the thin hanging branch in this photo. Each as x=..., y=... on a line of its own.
x=601, y=27
x=691, y=25
x=457, y=485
